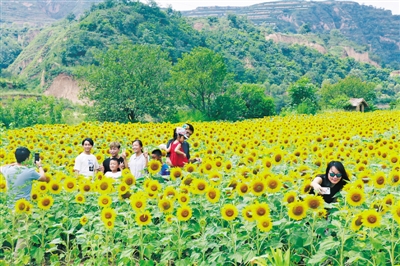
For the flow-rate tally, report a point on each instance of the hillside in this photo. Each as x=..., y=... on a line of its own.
x=52, y=56
x=40, y=12
x=377, y=30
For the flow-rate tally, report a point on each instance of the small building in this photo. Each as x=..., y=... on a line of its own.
x=358, y=104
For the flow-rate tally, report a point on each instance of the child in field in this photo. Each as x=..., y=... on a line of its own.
x=114, y=152
x=177, y=155
x=114, y=173
x=157, y=155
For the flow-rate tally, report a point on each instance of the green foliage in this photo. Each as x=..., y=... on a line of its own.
x=302, y=90
x=72, y=43
x=334, y=95
x=127, y=83
x=228, y=107
x=198, y=78
x=25, y=112
x=257, y=103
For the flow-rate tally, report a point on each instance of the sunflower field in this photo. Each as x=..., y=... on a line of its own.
x=247, y=203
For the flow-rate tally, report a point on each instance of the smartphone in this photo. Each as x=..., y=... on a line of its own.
x=37, y=157
x=327, y=190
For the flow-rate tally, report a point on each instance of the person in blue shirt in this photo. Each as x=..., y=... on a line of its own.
x=157, y=155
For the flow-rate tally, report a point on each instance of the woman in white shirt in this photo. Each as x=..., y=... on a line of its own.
x=138, y=160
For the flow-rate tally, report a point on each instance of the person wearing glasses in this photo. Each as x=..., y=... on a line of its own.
x=331, y=182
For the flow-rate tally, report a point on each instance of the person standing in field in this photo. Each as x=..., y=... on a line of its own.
x=189, y=130
x=86, y=163
x=138, y=161
x=114, y=152
x=177, y=154
x=19, y=177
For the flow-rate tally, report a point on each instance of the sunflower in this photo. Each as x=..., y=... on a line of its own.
x=154, y=167
x=229, y=212
x=228, y=167
x=54, y=187
x=273, y=184
x=214, y=177
x=35, y=194
x=170, y=193
x=42, y=187
x=242, y=189
x=314, y=202
x=83, y=220
x=143, y=218
x=218, y=163
x=207, y=166
x=389, y=199
x=260, y=210
x=153, y=186
x=184, y=213
x=199, y=186
x=247, y=213
x=175, y=172
x=379, y=206
x=169, y=218
x=371, y=218
x=264, y=224
x=394, y=176
x=187, y=180
x=80, y=198
x=84, y=186
x=138, y=203
x=3, y=185
x=128, y=179
x=189, y=167
x=166, y=205
x=21, y=205
x=267, y=162
x=379, y=179
x=123, y=189
x=306, y=187
x=109, y=224
x=245, y=172
x=104, y=186
x=290, y=197
x=257, y=187
x=45, y=202
x=183, y=198
x=297, y=210
x=213, y=195
x=396, y=212
x=70, y=184
x=355, y=197
x=108, y=214
x=104, y=201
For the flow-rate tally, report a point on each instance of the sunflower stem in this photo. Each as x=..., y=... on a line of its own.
x=393, y=245
x=179, y=241
x=233, y=237
x=141, y=243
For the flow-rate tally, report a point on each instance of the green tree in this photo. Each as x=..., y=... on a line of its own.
x=301, y=90
x=349, y=87
x=198, y=77
x=257, y=103
x=128, y=83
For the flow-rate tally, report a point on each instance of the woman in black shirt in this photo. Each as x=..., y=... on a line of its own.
x=331, y=182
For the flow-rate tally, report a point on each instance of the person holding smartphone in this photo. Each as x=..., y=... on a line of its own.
x=331, y=182
x=19, y=177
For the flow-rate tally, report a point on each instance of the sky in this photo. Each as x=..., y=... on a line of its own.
x=393, y=5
